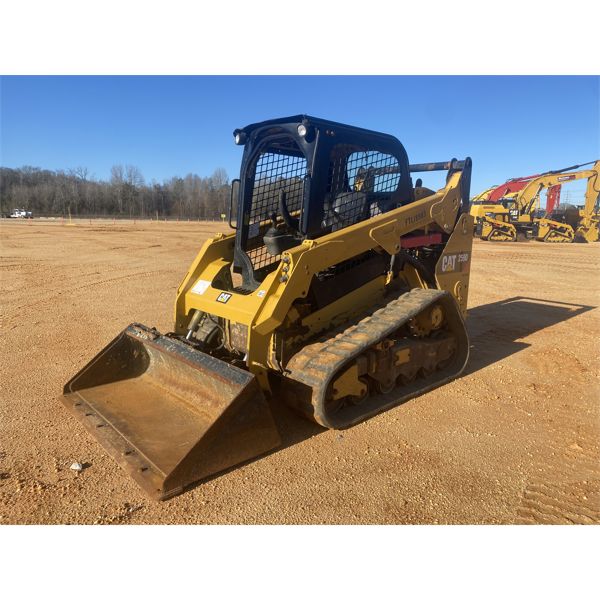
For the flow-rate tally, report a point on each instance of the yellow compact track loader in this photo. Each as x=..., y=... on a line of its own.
x=343, y=284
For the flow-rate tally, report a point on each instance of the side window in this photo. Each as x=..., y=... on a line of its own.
x=372, y=171
x=275, y=172
x=361, y=185
x=280, y=166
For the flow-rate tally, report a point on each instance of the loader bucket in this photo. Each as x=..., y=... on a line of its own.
x=170, y=415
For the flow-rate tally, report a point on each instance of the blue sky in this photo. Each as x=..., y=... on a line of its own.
x=510, y=126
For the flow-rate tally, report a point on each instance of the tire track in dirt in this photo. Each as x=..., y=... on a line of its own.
x=567, y=504
x=55, y=294
x=576, y=499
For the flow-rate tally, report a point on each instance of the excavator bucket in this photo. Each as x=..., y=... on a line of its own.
x=588, y=234
x=170, y=415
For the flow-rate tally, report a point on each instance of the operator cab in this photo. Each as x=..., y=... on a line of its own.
x=303, y=177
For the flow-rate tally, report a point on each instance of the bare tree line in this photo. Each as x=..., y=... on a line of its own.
x=75, y=192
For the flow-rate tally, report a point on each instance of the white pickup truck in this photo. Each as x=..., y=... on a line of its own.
x=20, y=213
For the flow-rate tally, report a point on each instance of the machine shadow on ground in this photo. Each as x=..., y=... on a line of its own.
x=495, y=329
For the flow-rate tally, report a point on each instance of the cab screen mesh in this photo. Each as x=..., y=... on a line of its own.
x=274, y=172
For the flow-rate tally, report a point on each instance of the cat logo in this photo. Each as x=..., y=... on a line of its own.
x=223, y=297
x=448, y=263
x=455, y=262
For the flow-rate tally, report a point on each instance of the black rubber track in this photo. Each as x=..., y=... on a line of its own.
x=312, y=369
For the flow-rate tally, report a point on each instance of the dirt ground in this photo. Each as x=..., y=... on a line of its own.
x=514, y=440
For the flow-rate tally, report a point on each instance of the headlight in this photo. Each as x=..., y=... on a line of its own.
x=302, y=131
x=240, y=138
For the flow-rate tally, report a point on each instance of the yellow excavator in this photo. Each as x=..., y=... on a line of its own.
x=588, y=226
x=342, y=291
x=518, y=213
x=586, y=220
